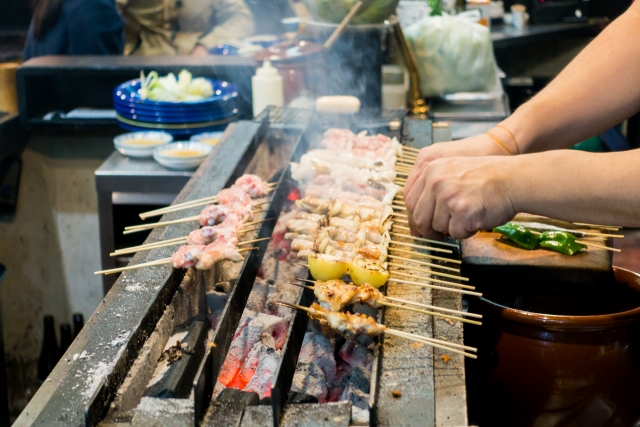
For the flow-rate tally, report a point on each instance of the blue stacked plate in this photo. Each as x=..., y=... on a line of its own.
x=177, y=118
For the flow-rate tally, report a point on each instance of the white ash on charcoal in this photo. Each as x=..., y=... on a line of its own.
x=356, y=355
x=255, y=328
x=356, y=388
x=262, y=291
x=162, y=368
x=263, y=375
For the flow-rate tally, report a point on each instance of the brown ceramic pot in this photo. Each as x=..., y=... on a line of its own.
x=551, y=370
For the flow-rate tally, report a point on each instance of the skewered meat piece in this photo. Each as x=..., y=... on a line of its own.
x=224, y=248
x=320, y=219
x=346, y=324
x=187, y=256
x=294, y=236
x=336, y=294
x=311, y=204
x=298, y=245
x=252, y=185
x=233, y=195
x=303, y=226
x=213, y=214
x=346, y=158
x=206, y=235
x=339, y=172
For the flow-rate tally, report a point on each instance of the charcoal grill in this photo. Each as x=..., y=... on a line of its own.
x=97, y=382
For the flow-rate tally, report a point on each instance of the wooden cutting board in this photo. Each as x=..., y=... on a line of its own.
x=490, y=258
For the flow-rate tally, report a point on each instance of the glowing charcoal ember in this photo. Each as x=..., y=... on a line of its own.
x=249, y=366
x=356, y=355
x=187, y=256
x=252, y=185
x=262, y=379
x=259, y=324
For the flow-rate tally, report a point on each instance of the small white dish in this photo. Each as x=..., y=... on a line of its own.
x=182, y=155
x=141, y=144
x=209, y=138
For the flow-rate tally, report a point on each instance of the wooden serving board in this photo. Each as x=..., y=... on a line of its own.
x=489, y=257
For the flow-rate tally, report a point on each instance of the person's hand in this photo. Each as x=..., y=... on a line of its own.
x=200, y=50
x=480, y=145
x=461, y=195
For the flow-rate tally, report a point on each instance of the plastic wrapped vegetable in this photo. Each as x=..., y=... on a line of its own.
x=560, y=241
x=453, y=54
x=518, y=234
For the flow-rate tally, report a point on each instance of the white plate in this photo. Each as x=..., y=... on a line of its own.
x=206, y=136
x=162, y=156
x=126, y=143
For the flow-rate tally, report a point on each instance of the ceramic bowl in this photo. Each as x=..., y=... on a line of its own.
x=140, y=144
x=209, y=138
x=182, y=155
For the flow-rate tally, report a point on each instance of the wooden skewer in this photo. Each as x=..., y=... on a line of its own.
x=603, y=227
x=398, y=207
x=443, y=282
x=400, y=202
x=400, y=215
x=412, y=337
x=442, y=288
x=151, y=263
x=160, y=243
x=402, y=173
x=175, y=208
x=424, y=270
x=443, y=342
x=422, y=239
x=430, y=313
x=206, y=200
x=594, y=245
x=137, y=228
x=134, y=267
x=428, y=248
x=448, y=310
x=610, y=236
x=588, y=244
x=427, y=264
x=419, y=254
x=402, y=221
x=406, y=147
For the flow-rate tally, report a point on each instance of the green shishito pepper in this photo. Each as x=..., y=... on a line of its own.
x=560, y=241
x=518, y=234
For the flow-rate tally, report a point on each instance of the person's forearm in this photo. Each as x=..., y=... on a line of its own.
x=577, y=186
x=597, y=90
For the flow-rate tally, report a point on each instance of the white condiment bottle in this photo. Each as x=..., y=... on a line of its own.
x=267, y=88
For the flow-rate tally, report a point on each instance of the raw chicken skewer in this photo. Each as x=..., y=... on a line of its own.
x=351, y=325
x=251, y=184
x=336, y=295
x=151, y=264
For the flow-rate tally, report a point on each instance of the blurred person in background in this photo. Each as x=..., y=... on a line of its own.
x=183, y=27
x=75, y=27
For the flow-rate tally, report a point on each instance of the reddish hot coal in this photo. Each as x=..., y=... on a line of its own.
x=330, y=369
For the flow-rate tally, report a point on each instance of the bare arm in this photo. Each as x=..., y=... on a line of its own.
x=597, y=90
x=450, y=191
